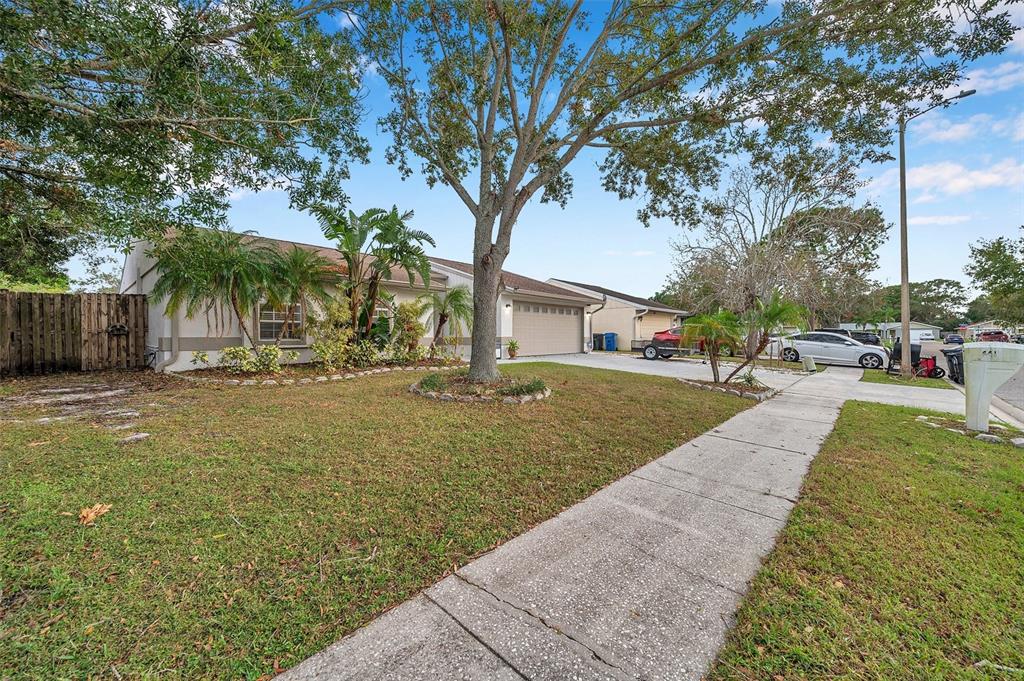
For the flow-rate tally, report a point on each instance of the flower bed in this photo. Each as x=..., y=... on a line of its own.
x=302, y=374
x=750, y=392
x=456, y=387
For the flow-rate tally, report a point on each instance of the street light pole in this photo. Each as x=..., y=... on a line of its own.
x=905, y=366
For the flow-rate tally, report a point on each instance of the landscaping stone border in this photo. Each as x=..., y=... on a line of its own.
x=738, y=392
x=348, y=375
x=507, y=399
x=983, y=437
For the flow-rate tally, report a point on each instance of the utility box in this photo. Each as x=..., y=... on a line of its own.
x=986, y=367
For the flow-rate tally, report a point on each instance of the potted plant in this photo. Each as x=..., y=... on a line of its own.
x=513, y=348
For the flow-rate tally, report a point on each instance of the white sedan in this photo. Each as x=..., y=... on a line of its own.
x=829, y=348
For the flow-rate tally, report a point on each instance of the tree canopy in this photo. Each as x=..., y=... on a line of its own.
x=941, y=302
x=997, y=267
x=498, y=98
x=126, y=117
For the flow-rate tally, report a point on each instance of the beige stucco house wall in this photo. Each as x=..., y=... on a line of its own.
x=630, y=317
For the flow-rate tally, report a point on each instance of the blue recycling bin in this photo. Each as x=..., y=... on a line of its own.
x=609, y=342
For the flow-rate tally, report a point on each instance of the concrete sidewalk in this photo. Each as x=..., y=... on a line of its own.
x=640, y=580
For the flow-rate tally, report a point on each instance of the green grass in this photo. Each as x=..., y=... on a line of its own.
x=257, y=526
x=877, y=376
x=903, y=559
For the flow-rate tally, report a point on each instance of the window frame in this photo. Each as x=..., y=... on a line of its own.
x=298, y=323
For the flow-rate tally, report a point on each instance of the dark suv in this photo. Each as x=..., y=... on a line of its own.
x=865, y=337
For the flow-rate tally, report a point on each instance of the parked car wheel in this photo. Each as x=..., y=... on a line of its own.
x=870, y=361
x=937, y=372
x=790, y=355
x=725, y=351
x=650, y=352
x=665, y=355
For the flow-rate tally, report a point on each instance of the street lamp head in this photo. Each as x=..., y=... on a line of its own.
x=965, y=93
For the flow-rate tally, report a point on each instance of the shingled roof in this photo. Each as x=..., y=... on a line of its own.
x=518, y=282
x=646, y=303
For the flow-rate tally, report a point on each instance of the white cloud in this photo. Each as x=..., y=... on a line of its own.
x=948, y=177
x=938, y=219
x=941, y=129
x=989, y=81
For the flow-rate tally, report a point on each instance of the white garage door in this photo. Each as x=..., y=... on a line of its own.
x=544, y=329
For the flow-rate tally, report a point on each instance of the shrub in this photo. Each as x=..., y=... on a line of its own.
x=534, y=385
x=432, y=383
x=291, y=356
x=331, y=331
x=363, y=354
x=242, y=360
x=408, y=329
x=266, y=359
x=200, y=358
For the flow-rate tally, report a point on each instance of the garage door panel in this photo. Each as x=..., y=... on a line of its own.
x=544, y=329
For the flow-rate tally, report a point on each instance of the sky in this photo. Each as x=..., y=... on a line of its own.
x=965, y=182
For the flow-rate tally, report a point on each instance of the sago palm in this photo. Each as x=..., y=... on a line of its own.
x=714, y=331
x=767, y=317
x=207, y=269
x=299, y=275
x=454, y=308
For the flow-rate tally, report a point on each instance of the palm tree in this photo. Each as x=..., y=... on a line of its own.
x=713, y=331
x=372, y=245
x=454, y=307
x=766, y=318
x=208, y=269
x=299, y=275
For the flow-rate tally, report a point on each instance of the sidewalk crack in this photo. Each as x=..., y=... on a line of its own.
x=613, y=668
x=476, y=638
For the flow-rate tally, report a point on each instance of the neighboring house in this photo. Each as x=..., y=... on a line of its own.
x=891, y=330
x=542, y=318
x=972, y=331
x=630, y=317
x=174, y=338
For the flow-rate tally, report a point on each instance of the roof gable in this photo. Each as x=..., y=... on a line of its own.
x=516, y=282
x=637, y=301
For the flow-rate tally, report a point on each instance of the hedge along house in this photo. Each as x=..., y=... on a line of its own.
x=542, y=318
x=171, y=339
x=630, y=317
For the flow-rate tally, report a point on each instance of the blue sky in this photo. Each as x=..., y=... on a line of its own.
x=966, y=181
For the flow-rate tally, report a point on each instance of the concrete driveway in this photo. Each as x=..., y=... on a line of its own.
x=836, y=381
x=673, y=368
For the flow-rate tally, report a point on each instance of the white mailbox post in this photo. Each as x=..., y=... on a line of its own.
x=986, y=367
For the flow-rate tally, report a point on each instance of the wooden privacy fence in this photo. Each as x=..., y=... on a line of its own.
x=47, y=332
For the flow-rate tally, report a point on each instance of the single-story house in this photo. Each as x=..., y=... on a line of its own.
x=544, y=319
x=632, y=318
x=972, y=331
x=892, y=330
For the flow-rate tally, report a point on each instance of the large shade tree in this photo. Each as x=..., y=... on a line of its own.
x=788, y=228
x=124, y=117
x=499, y=98
x=997, y=267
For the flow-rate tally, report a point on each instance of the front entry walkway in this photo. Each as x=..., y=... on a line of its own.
x=639, y=581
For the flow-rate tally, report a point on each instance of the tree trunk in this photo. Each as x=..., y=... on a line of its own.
x=442, y=319
x=487, y=262
x=241, y=322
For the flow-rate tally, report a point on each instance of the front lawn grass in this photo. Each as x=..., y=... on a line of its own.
x=879, y=376
x=258, y=525
x=904, y=558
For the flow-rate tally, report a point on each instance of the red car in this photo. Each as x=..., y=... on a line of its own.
x=665, y=344
x=994, y=336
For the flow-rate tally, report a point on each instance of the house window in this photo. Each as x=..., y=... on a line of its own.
x=275, y=322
